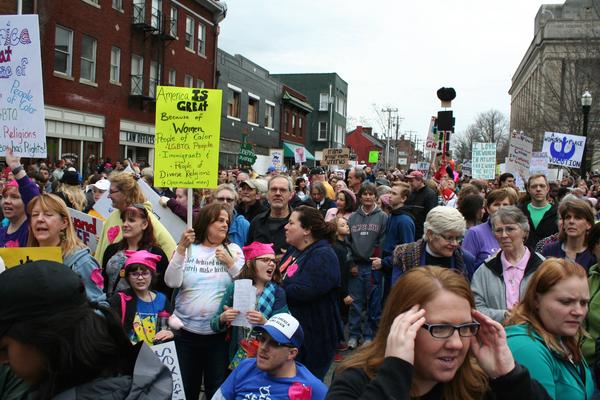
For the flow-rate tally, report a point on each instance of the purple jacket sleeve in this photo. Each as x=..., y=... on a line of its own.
x=27, y=189
x=178, y=209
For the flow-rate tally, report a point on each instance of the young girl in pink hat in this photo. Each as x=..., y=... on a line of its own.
x=262, y=269
x=143, y=312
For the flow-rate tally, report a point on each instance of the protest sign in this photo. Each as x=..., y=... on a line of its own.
x=276, y=158
x=88, y=228
x=14, y=256
x=519, y=154
x=167, y=354
x=104, y=205
x=373, y=156
x=22, y=124
x=188, y=129
x=299, y=155
x=483, y=160
x=174, y=225
x=539, y=163
x=431, y=144
x=335, y=156
x=563, y=149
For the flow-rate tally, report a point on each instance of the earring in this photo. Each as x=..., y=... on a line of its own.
x=62, y=235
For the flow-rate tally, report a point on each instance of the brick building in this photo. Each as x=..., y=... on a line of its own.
x=102, y=61
x=361, y=141
x=294, y=113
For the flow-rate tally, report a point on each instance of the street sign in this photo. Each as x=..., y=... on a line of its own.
x=335, y=156
x=246, y=156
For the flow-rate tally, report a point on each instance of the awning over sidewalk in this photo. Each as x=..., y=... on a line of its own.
x=289, y=150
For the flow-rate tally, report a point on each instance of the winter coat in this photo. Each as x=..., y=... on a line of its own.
x=400, y=229
x=311, y=286
x=394, y=379
x=420, y=202
x=266, y=229
x=82, y=262
x=548, y=225
x=489, y=288
x=592, y=319
x=481, y=242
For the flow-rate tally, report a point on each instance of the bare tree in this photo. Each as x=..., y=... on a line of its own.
x=489, y=127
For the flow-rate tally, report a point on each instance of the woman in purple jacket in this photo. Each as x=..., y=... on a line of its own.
x=15, y=197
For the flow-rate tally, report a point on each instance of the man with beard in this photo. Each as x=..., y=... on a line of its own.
x=274, y=373
x=267, y=227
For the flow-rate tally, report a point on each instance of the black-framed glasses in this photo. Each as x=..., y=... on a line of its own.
x=444, y=331
x=262, y=339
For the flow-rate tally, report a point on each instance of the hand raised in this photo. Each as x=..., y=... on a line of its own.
x=401, y=339
x=490, y=347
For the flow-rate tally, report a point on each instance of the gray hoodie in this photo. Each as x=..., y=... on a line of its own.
x=367, y=234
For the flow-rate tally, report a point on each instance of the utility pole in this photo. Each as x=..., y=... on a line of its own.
x=389, y=131
x=412, y=145
x=398, y=120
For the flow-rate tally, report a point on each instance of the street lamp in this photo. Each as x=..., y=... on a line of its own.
x=586, y=104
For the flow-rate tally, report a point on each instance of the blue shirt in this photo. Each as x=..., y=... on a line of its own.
x=249, y=382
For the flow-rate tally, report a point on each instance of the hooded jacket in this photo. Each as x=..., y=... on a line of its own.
x=489, y=288
x=400, y=229
x=82, y=262
x=367, y=233
x=151, y=380
x=561, y=378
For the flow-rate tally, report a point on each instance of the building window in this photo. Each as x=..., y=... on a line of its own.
x=189, y=33
x=322, y=130
x=172, y=77
x=173, y=22
x=154, y=80
x=323, y=102
x=117, y=4
x=233, y=103
x=115, y=64
x=188, y=81
x=88, y=58
x=137, y=75
x=293, y=123
x=156, y=17
x=253, y=110
x=300, y=129
x=63, y=50
x=201, y=39
x=139, y=11
x=269, y=115
x=286, y=116
x=200, y=83
x=340, y=105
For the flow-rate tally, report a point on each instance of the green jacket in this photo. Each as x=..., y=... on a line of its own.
x=561, y=379
x=592, y=321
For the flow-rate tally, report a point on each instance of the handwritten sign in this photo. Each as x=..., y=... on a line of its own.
x=483, y=160
x=22, y=123
x=20, y=255
x=335, y=156
x=276, y=158
x=539, y=163
x=563, y=149
x=88, y=228
x=188, y=129
x=519, y=154
x=167, y=354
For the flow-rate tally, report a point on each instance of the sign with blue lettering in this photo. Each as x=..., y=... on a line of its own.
x=22, y=125
x=563, y=149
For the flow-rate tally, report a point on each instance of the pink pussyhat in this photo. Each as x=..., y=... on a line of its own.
x=142, y=257
x=257, y=249
x=11, y=183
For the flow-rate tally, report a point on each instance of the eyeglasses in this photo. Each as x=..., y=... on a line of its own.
x=266, y=260
x=225, y=199
x=113, y=191
x=262, y=339
x=451, y=239
x=508, y=229
x=444, y=331
x=142, y=274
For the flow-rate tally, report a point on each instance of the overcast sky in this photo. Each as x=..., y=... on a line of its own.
x=392, y=53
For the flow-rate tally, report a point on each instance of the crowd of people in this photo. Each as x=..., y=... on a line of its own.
x=444, y=287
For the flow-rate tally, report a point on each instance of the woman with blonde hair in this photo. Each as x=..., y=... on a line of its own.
x=125, y=192
x=432, y=344
x=546, y=328
x=50, y=225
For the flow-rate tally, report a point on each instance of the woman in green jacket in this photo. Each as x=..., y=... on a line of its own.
x=592, y=321
x=545, y=328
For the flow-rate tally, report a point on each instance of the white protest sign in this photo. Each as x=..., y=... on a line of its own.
x=167, y=354
x=483, y=160
x=519, y=154
x=276, y=158
x=563, y=149
x=88, y=228
x=170, y=221
x=299, y=155
x=431, y=144
x=22, y=124
x=244, y=300
x=104, y=205
x=539, y=163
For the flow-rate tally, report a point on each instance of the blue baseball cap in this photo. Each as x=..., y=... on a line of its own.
x=284, y=329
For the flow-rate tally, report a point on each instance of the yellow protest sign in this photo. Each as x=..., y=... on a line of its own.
x=20, y=255
x=188, y=129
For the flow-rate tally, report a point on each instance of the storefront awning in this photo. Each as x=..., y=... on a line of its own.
x=287, y=96
x=290, y=149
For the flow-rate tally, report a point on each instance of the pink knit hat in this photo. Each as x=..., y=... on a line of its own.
x=142, y=257
x=350, y=193
x=257, y=249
